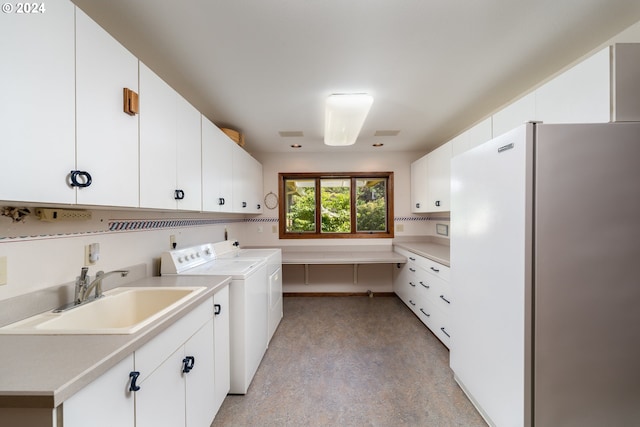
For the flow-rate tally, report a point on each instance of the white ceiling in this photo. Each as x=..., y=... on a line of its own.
x=434, y=67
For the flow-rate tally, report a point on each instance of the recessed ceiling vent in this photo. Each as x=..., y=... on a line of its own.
x=291, y=133
x=386, y=133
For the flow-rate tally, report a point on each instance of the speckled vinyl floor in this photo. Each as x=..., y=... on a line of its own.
x=351, y=361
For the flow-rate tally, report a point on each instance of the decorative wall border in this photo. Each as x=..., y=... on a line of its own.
x=155, y=224
x=127, y=225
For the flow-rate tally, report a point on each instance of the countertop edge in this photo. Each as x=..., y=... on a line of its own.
x=433, y=251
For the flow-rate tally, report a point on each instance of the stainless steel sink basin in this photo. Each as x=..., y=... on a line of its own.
x=122, y=310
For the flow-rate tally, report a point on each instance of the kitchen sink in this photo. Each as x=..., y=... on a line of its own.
x=123, y=310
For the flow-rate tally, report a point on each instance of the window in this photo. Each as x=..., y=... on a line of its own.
x=336, y=205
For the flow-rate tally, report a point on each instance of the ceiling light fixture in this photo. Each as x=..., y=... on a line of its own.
x=344, y=116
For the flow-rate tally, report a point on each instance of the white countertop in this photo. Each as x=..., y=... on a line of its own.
x=321, y=255
x=41, y=371
x=434, y=251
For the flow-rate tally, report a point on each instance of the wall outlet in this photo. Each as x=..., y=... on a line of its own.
x=399, y=228
x=260, y=229
x=3, y=270
x=274, y=229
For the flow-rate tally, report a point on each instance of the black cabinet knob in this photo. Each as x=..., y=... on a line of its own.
x=133, y=375
x=187, y=364
x=80, y=179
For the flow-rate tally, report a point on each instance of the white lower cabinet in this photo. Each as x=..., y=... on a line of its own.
x=423, y=285
x=222, y=353
x=179, y=378
x=105, y=402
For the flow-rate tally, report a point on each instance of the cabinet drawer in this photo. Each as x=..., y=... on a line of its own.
x=434, y=268
x=152, y=354
x=438, y=322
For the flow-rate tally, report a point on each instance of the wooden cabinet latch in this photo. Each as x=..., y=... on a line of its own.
x=130, y=102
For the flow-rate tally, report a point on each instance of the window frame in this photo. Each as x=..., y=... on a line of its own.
x=318, y=234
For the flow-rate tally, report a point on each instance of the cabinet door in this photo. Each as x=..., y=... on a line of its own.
x=200, y=381
x=579, y=95
x=161, y=398
x=188, y=155
x=254, y=185
x=221, y=347
x=38, y=108
x=439, y=179
x=107, y=138
x=217, y=175
x=105, y=402
x=419, y=185
x=478, y=134
x=515, y=114
x=241, y=178
x=158, y=166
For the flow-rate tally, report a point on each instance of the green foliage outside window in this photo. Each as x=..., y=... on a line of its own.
x=335, y=205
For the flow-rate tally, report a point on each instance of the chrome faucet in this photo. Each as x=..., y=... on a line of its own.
x=85, y=289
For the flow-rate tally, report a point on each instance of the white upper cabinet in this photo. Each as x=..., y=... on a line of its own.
x=439, y=179
x=521, y=111
x=579, y=95
x=38, y=130
x=169, y=147
x=188, y=155
x=430, y=181
x=217, y=175
x=107, y=137
x=600, y=89
x=419, y=185
x=247, y=182
x=158, y=166
x=478, y=134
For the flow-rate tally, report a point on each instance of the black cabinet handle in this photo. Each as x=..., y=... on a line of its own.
x=412, y=258
x=259, y=206
x=187, y=364
x=412, y=284
x=425, y=313
x=426, y=286
x=178, y=195
x=134, y=377
x=413, y=270
x=221, y=201
x=418, y=205
x=437, y=202
x=445, y=332
x=217, y=309
x=85, y=179
x=411, y=302
x=435, y=269
x=446, y=300
x=244, y=204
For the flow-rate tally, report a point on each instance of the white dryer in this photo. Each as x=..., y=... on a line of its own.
x=248, y=300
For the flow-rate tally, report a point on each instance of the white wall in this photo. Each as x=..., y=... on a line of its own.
x=41, y=255
x=383, y=161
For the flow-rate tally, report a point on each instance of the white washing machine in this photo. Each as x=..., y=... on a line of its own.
x=273, y=256
x=248, y=300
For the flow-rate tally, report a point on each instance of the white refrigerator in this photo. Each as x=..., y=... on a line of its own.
x=545, y=275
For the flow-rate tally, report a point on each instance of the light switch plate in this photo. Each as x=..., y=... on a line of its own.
x=3, y=270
